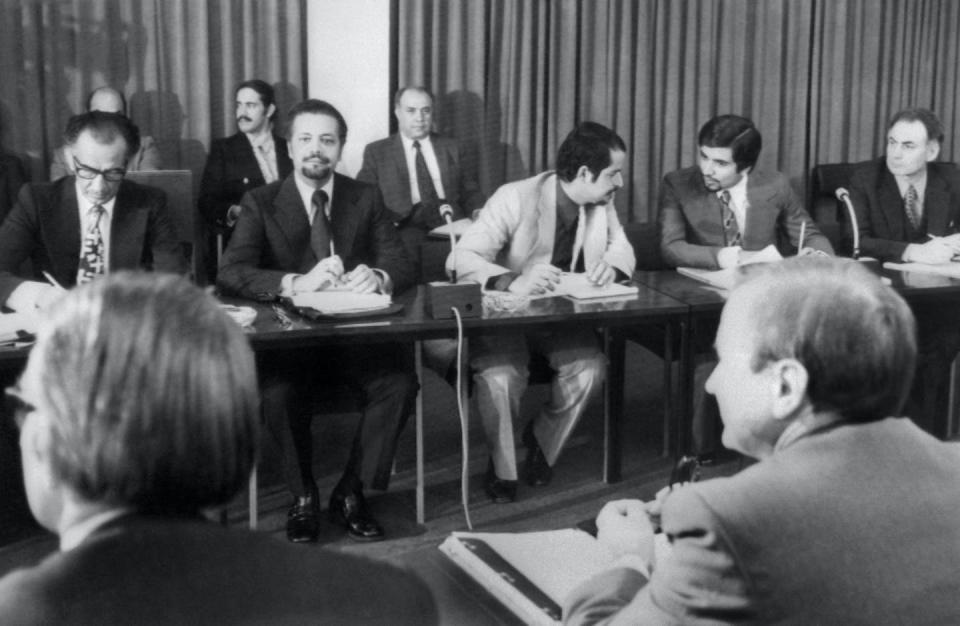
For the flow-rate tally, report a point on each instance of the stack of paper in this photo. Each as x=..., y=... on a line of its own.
x=577, y=286
x=332, y=302
x=951, y=269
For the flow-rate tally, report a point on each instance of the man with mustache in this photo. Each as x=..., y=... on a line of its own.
x=714, y=214
x=528, y=234
x=311, y=231
x=253, y=157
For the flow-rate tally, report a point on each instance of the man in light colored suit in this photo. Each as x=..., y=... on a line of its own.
x=850, y=515
x=312, y=231
x=716, y=214
x=527, y=234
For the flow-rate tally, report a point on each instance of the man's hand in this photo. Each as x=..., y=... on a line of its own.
x=324, y=275
x=601, y=274
x=624, y=528
x=806, y=251
x=233, y=214
x=362, y=279
x=48, y=296
x=937, y=250
x=538, y=279
x=728, y=257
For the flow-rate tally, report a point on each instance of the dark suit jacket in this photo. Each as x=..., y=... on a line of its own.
x=385, y=165
x=884, y=228
x=44, y=227
x=852, y=525
x=691, y=229
x=12, y=177
x=231, y=171
x=272, y=238
x=142, y=570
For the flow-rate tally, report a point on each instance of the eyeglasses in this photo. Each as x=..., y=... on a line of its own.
x=15, y=407
x=86, y=172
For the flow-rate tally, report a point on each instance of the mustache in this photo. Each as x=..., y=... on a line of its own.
x=319, y=157
x=244, y=118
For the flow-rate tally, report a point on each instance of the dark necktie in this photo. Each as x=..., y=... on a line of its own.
x=731, y=231
x=428, y=193
x=92, y=263
x=320, y=236
x=910, y=206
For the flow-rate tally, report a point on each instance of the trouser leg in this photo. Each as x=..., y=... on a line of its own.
x=500, y=378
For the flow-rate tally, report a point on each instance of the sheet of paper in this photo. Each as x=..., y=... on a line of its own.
x=341, y=301
x=951, y=269
x=10, y=323
x=458, y=228
x=577, y=286
x=726, y=278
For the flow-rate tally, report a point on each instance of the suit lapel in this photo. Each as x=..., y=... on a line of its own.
x=936, y=203
x=546, y=219
x=343, y=219
x=128, y=224
x=290, y=218
x=61, y=222
x=400, y=163
x=760, y=195
x=891, y=205
x=443, y=151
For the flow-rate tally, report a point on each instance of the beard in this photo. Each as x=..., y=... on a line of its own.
x=316, y=170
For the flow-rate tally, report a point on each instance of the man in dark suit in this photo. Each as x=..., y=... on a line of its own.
x=908, y=210
x=717, y=214
x=12, y=177
x=91, y=223
x=419, y=171
x=138, y=409
x=849, y=515
x=316, y=230
x=253, y=157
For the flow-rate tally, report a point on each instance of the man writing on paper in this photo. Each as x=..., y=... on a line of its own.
x=908, y=209
x=717, y=213
x=88, y=224
x=138, y=411
x=317, y=230
x=849, y=517
x=527, y=234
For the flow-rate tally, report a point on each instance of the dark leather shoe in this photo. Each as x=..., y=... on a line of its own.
x=500, y=491
x=536, y=472
x=303, y=519
x=349, y=509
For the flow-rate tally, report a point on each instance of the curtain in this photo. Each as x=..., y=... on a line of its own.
x=820, y=78
x=177, y=61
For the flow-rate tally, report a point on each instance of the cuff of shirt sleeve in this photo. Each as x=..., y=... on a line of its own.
x=26, y=296
x=500, y=282
x=286, y=285
x=386, y=284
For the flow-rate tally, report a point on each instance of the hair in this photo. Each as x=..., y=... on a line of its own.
x=123, y=99
x=151, y=394
x=316, y=107
x=855, y=336
x=926, y=117
x=105, y=128
x=263, y=89
x=734, y=132
x=403, y=90
x=588, y=144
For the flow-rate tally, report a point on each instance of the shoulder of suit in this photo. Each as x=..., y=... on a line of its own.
x=683, y=176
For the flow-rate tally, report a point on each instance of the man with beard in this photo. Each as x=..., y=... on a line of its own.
x=252, y=157
x=527, y=234
x=714, y=214
x=312, y=231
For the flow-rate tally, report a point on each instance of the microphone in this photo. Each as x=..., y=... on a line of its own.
x=844, y=196
x=442, y=298
x=446, y=212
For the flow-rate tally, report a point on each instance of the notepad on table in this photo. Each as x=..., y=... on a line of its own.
x=532, y=573
x=331, y=302
x=577, y=286
x=726, y=278
x=17, y=327
x=950, y=269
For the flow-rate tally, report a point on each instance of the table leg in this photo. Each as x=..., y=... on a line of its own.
x=613, y=344
x=418, y=366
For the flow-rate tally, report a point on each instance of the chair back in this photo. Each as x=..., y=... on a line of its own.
x=178, y=187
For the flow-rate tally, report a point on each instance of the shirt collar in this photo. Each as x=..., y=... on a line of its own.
x=85, y=205
x=738, y=193
x=306, y=194
x=73, y=536
x=263, y=141
x=919, y=183
x=408, y=143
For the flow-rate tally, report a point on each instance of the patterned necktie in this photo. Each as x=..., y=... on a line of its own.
x=320, y=230
x=428, y=193
x=910, y=206
x=92, y=263
x=731, y=232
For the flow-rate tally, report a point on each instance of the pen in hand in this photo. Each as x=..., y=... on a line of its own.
x=52, y=280
x=803, y=233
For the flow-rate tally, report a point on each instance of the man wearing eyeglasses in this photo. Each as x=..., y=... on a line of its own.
x=85, y=225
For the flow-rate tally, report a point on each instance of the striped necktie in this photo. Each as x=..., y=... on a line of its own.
x=911, y=208
x=731, y=231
